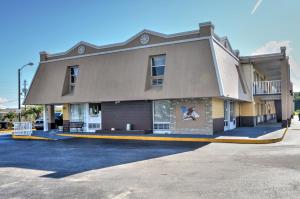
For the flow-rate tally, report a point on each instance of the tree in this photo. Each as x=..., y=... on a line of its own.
x=10, y=116
x=35, y=111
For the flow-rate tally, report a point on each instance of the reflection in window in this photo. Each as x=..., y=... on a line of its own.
x=158, y=64
x=74, y=72
x=94, y=109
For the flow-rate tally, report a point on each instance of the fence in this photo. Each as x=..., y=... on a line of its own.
x=22, y=128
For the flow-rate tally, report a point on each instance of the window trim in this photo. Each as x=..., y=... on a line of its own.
x=73, y=84
x=160, y=131
x=156, y=77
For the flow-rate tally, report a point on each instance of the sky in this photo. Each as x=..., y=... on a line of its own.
x=31, y=26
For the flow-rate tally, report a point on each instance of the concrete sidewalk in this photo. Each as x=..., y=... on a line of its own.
x=242, y=135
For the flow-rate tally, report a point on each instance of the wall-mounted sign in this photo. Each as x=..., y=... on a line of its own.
x=189, y=113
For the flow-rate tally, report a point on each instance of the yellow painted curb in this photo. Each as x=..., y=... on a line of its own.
x=6, y=131
x=26, y=137
x=178, y=139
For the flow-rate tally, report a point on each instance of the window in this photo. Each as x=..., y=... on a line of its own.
x=74, y=72
x=161, y=110
x=158, y=64
x=94, y=109
x=77, y=113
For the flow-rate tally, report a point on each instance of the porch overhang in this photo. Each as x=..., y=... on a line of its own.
x=268, y=64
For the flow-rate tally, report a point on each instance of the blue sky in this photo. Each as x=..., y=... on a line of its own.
x=31, y=26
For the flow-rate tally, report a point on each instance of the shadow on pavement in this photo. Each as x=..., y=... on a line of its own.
x=72, y=156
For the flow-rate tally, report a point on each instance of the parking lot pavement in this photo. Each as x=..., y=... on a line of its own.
x=113, y=169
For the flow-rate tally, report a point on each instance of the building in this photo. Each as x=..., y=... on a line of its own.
x=191, y=82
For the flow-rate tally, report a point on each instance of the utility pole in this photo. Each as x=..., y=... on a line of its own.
x=19, y=94
x=24, y=90
x=19, y=89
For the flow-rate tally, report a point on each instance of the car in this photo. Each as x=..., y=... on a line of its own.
x=39, y=124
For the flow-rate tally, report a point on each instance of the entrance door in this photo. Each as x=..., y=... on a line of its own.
x=229, y=115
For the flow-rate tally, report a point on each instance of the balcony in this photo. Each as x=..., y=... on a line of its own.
x=267, y=87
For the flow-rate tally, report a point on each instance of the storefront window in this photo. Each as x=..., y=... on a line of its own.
x=77, y=113
x=162, y=114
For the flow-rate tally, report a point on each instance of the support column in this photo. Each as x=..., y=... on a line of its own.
x=66, y=114
x=45, y=118
x=284, y=93
x=51, y=117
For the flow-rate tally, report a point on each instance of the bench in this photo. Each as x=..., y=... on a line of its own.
x=72, y=125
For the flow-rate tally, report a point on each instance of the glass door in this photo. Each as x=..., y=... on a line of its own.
x=229, y=115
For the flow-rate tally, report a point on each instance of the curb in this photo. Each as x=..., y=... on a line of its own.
x=177, y=139
x=27, y=137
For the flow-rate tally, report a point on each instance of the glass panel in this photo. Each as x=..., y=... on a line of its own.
x=94, y=109
x=226, y=110
x=232, y=111
x=156, y=71
x=159, y=60
x=77, y=113
x=73, y=79
x=157, y=82
x=162, y=111
x=75, y=70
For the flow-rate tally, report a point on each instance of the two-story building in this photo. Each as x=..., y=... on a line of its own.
x=190, y=82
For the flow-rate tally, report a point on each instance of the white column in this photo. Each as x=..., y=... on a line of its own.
x=86, y=116
x=45, y=116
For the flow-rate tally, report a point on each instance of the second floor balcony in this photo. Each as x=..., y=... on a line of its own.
x=267, y=87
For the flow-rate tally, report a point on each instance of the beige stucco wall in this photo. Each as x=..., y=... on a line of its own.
x=122, y=76
x=217, y=108
x=229, y=76
x=247, y=109
x=201, y=125
x=66, y=112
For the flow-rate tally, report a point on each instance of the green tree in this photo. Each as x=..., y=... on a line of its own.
x=10, y=116
x=35, y=111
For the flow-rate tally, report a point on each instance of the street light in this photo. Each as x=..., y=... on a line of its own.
x=19, y=88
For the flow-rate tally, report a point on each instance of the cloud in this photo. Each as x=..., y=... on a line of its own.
x=257, y=4
x=274, y=47
x=2, y=101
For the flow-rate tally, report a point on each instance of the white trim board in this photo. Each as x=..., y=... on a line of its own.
x=213, y=54
x=127, y=49
x=228, y=51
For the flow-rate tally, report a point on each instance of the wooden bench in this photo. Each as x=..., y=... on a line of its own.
x=73, y=125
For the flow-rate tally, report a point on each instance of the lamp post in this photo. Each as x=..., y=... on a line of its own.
x=19, y=88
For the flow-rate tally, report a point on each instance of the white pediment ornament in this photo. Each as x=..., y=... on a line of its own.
x=144, y=39
x=81, y=49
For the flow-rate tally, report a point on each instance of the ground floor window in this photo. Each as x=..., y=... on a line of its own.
x=77, y=113
x=161, y=115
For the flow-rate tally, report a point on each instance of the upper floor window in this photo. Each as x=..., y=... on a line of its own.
x=74, y=72
x=158, y=64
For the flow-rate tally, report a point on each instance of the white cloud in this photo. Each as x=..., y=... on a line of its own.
x=274, y=47
x=257, y=4
x=2, y=102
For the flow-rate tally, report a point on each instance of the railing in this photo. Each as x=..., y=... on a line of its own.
x=22, y=128
x=267, y=87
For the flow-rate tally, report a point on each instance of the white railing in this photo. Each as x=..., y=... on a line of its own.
x=267, y=87
x=22, y=128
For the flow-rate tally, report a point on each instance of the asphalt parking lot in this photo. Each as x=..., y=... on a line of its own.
x=126, y=169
